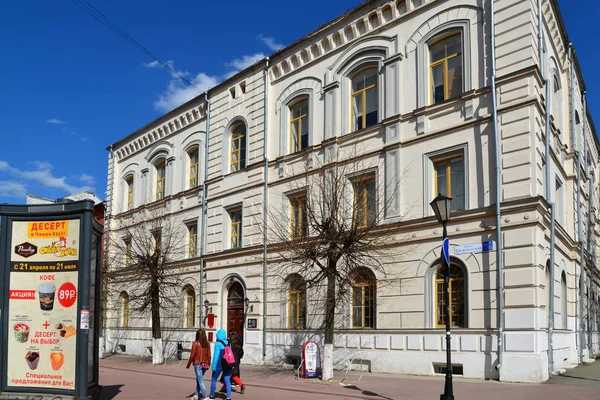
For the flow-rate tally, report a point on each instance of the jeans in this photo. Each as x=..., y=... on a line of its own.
x=213, y=382
x=200, y=388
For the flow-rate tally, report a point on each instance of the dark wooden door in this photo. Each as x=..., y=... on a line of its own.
x=235, y=309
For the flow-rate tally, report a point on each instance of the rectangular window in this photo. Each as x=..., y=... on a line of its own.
x=236, y=228
x=298, y=216
x=296, y=312
x=449, y=179
x=160, y=180
x=364, y=103
x=129, y=182
x=194, y=168
x=365, y=207
x=193, y=239
x=238, y=148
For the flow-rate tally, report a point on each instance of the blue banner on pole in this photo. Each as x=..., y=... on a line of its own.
x=446, y=250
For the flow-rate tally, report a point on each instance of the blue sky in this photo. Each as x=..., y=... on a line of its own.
x=71, y=87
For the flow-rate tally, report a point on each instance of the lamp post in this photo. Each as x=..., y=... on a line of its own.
x=442, y=207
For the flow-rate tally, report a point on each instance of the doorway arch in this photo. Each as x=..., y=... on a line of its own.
x=235, y=294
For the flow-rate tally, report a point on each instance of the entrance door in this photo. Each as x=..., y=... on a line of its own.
x=235, y=309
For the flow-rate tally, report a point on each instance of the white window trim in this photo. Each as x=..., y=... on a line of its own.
x=226, y=230
x=430, y=292
x=226, y=140
x=284, y=120
x=370, y=60
x=429, y=184
x=423, y=76
x=348, y=206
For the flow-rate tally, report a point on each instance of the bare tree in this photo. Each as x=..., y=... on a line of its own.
x=143, y=251
x=334, y=235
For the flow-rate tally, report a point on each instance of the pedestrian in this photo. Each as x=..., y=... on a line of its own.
x=238, y=353
x=217, y=365
x=232, y=334
x=200, y=357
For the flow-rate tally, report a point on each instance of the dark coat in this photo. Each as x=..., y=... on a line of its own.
x=238, y=353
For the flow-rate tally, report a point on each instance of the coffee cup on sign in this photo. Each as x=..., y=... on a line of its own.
x=46, y=293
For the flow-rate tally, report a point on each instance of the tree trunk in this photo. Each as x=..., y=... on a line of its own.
x=157, y=345
x=327, y=373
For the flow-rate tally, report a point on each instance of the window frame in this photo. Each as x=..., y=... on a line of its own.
x=192, y=240
x=160, y=165
x=189, y=314
x=430, y=175
x=232, y=224
x=363, y=92
x=306, y=117
x=357, y=181
x=439, y=297
x=241, y=162
x=369, y=281
x=129, y=182
x=194, y=180
x=448, y=160
x=298, y=203
x=127, y=247
x=124, y=310
x=432, y=64
x=296, y=293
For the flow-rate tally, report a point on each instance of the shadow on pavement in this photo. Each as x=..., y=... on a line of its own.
x=366, y=392
x=110, y=392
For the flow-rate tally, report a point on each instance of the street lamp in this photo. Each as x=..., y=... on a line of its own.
x=442, y=206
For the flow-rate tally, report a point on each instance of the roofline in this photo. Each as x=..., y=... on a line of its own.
x=207, y=92
x=563, y=30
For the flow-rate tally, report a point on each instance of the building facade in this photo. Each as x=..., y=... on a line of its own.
x=485, y=105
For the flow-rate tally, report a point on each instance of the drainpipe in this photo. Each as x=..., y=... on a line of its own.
x=590, y=175
x=106, y=234
x=548, y=198
x=575, y=141
x=204, y=213
x=499, y=255
x=265, y=208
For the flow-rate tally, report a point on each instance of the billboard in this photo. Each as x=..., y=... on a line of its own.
x=42, y=303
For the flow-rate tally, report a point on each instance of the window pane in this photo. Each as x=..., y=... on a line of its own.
x=294, y=136
x=455, y=76
x=441, y=179
x=243, y=151
x=453, y=45
x=438, y=51
x=370, y=77
x=372, y=106
x=457, y=183
x=357, y=307
x=304, y=138
x=437, y=76
x=357, y=111
x=371, y=202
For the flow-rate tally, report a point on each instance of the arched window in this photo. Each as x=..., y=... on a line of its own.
x=563, y=300
x=296, y=302
x=299, y=125
x=160, y=179
x=237, y=153
x=124, y=310
x=189, y=307
x=446, y=66
x=363, y=296
x=193, y=154
x=129, y=184
x=457, y=297
x=365, y=98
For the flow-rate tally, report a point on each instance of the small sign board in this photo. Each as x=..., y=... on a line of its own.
x=311, y=354
x=252, y=323
x=482, y=247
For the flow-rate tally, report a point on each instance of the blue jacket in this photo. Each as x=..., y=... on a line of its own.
x=218, y=350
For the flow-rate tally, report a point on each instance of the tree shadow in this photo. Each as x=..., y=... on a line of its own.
x=366, y=392
x=109, y=392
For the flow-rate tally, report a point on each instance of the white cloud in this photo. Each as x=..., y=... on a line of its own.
x=55, y=121
x=154, y=64
x=178, y=93
x=242, y=63
x=42, y=175
x=12, y=189
x=270, y=43
x=89, y=179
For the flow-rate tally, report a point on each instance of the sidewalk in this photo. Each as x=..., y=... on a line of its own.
x=124, y=377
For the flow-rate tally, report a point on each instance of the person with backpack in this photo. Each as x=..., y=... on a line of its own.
x=200, y=357
x=238, y=353
x=234, y=336
x=223, y=360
